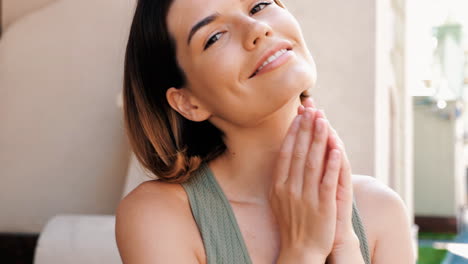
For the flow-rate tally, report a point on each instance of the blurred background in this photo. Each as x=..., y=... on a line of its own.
x=392, y=78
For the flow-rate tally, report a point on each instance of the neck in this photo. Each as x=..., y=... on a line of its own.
x=245, y=170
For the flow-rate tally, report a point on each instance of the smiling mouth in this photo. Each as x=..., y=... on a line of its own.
x=271, y=59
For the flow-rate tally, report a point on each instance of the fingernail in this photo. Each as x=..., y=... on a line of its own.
x=301, y=109
x=318, y=125
x=307, y=113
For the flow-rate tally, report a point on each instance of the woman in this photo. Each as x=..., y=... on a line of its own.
x=249, y=170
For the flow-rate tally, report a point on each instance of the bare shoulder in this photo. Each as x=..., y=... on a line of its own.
x=366, y=187
x=386, y=220
x=154, y=224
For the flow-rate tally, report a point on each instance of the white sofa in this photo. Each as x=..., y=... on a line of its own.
x=78, y=239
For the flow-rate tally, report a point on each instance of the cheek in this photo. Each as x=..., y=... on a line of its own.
x=296, y=77
x=222, y=62
x=285, y=22
x=305, y=75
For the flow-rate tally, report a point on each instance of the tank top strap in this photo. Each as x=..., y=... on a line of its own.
x=220, y=232
x=215, y=219
x=361, y=233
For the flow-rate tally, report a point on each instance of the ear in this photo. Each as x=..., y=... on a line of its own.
x=182, y=101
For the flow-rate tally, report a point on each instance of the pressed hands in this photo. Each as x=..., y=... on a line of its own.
x=312, y=193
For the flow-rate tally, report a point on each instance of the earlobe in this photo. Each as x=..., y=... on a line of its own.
x=181, y=101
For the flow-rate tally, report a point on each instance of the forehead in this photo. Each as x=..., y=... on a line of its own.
x=183, y=14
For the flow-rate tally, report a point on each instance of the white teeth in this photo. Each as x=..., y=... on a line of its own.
x=272, y=58
x=279, y=52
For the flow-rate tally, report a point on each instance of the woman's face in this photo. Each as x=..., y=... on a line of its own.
x=220, y=57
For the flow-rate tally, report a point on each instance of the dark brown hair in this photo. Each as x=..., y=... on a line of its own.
x=166, y=144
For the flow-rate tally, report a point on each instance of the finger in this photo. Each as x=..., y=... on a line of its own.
x=300, y=110
x=314, y=169
x=335, y=141
x=299, y=154
x=331, y=139
x=345, y=180
x=345, y=195
x=309, y=102
x=327, y=190
x=284, y=158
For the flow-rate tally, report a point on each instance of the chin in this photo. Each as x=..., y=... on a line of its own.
x=291, y=88
x=302, y=76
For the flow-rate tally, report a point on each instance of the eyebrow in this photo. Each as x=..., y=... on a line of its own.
x=207, y=20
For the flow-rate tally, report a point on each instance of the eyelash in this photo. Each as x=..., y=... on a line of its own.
x=208, y=43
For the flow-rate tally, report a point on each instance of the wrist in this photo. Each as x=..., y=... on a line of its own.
x=299, y=256
x=348, y=253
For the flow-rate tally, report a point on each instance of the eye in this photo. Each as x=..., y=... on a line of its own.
x=210, y=40
x=216, y=36
x=258, y=5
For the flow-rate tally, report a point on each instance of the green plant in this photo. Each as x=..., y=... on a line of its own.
x=429, y=255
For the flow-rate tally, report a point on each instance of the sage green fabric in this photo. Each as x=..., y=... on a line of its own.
x=218, y=226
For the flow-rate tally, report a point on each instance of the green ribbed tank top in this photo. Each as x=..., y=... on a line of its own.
x=222, y=238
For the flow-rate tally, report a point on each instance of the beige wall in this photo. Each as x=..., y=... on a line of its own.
x=63, y=147
x=341, y=37
x=14, y=9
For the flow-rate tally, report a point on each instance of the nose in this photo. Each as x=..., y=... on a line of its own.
x=256, y=32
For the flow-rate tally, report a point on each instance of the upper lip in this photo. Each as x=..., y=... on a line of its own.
x=269, y=52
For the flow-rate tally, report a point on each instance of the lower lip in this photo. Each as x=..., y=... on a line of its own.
x=276, y=63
